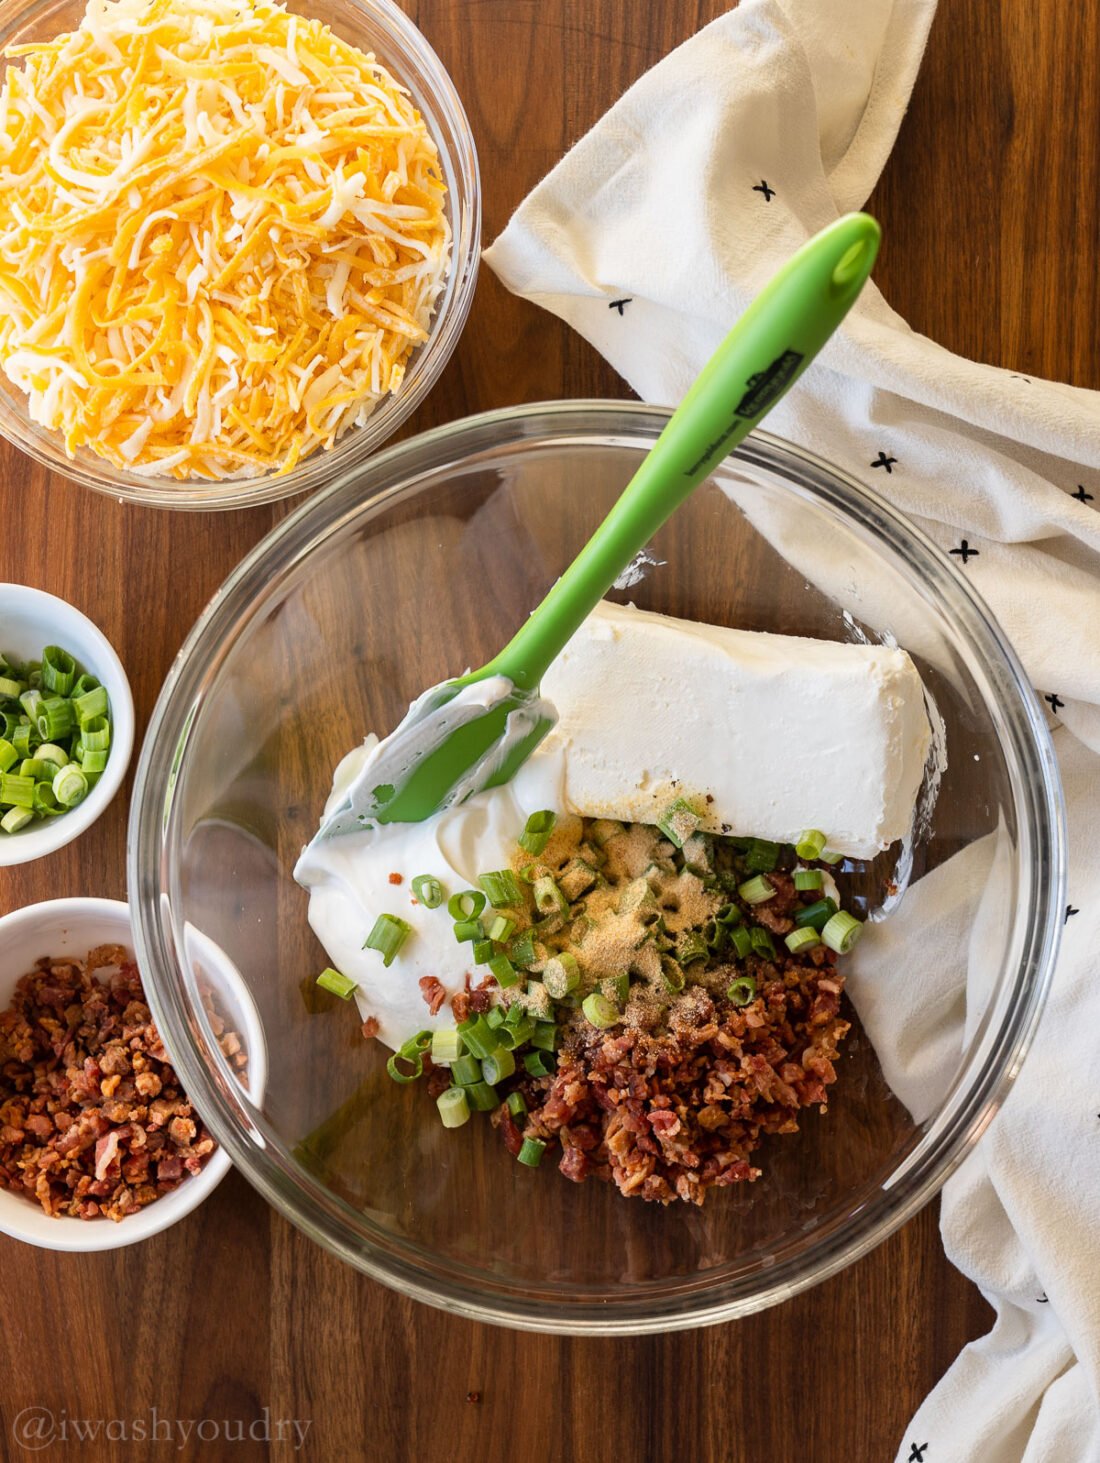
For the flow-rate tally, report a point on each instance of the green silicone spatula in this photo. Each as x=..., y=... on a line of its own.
x=475, y=732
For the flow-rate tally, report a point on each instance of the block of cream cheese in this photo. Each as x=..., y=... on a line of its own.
x=781, y=732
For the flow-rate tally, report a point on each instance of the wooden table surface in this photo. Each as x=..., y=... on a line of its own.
x=989, y=208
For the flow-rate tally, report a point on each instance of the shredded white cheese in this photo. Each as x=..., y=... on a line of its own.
x=221, y=235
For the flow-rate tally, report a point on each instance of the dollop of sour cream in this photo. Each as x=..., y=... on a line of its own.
x=351, y=881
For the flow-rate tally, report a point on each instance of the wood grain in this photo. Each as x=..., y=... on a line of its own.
x=989, y=208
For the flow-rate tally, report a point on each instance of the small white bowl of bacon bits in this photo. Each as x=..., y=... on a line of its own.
x=99, y=1144
x=66, y=723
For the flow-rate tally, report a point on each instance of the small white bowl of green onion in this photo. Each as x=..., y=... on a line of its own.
x=66, y=723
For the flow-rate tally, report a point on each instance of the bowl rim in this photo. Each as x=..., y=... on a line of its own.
x=80, y=1236
x=37, y=840
x=985, y=1078
x=439, y=102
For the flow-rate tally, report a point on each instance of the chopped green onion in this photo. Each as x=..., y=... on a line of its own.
x=715, y=936
x=762, y=856
x=494, y=1017
x=762, y=942
x=84, y=684
x=91, y=704
x=39, y=770
x=548, y=897
x=537, y=1065
x=516, y=1104
x=546, y=1036
x=8, y=756
x=678, y=822
x=562, y=975
x=690, y=947
x=522, y=950
x=10, y=689
x=618, y=988
x=15, y=791
x=340, y=985
x=465, y=1071
x=841, y=932
x=604, y=829
x=829, y=857
x=501, y=929
x=741, y=941
x=808, y=879
x=757, y=890
x=637, y=898
x=498, y=1065
x=536, y=833
x=810, y=843
x=479, y=1036
x=516, y=1014
x=671, y=974
x=399, y=1063
x=15, y=819
x=45, y=804
x=466, y=905
x=55, y=718
x=539, y=1005
x=428, y=891
x=388, y=935
x=503, y=889
x=802, y=939
x=815, y=916
x=70, y=786
x=92, y=761
x=531, y=1153
x=468, y=929
x=416, y=1045
x=728, y=915
x=454, y=1107
x=599, y=1010
x=48, y=752
x=577, y=878
x=482, y=1097
x=25, y=738
x=58, y=670
x=30, y=702
x=505, y=972
x=742, y=990
x=513, y=1036
x=483, y=951
x=446, y=1045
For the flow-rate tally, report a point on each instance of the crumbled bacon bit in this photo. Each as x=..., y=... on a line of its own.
x=93, y=1121
x=396, y=879
x=371, y=1027
x=669, y=1114
x=433, y=991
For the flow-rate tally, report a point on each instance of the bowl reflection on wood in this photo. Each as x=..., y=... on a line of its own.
x=411, y=572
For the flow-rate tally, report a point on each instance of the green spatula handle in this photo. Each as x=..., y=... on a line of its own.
x=763, y=355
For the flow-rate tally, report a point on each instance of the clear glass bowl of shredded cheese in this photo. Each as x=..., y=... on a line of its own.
x=444, y=546
x=238, y=240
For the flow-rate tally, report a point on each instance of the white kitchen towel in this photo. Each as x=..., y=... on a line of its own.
x=649, y=238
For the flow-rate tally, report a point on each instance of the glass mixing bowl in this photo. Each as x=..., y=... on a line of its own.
x=378, y=26
x=411, y=570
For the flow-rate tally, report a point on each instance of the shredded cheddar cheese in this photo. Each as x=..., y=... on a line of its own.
x=221, y=235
